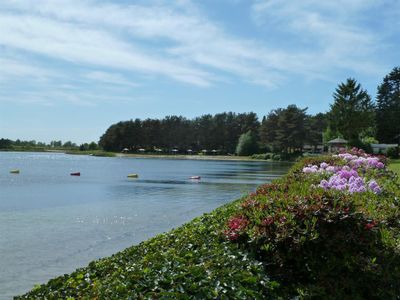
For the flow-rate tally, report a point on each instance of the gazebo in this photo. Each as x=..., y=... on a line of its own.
x=336, y=144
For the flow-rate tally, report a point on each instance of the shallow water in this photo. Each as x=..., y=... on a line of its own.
x=51, y=222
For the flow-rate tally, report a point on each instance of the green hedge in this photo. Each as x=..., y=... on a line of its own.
x=289, y=239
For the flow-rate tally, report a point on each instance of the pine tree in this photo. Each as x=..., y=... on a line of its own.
x=352, y=111
x=388, y=108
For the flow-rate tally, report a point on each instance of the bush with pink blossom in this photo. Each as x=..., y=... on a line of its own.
x=329, y=229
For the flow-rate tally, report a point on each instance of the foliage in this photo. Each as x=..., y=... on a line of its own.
x=362, y=145
x=247, y=144
x=99, y=153
x=191, y=262
x=264, y=156
x=393, y=152
x=284, y=129
x=315, y=126
x=220, y=132
x=388, y=108
x=395, y=167
x=352, y=110
x=369, y=140
x=325, y=241
x=5, y=144
x=18, y=145
x=91, y=147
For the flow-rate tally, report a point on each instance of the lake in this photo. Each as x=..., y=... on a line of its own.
x=52, y=223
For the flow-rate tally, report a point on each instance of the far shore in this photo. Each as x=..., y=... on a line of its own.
x=191, y=157
x=101, y=153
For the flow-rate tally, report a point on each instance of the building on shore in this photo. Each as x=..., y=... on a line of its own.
x=336, y=144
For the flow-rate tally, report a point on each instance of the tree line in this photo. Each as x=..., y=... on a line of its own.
x=353, y=115
x=7, y=144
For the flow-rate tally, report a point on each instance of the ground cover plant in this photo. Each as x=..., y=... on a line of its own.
x=329, y=229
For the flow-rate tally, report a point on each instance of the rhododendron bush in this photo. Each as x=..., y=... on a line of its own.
x=330, y=227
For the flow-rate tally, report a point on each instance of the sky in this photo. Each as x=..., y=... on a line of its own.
x=71, y=68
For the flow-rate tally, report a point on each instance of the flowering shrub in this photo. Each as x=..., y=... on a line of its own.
x=330, y=227
x=349, y=177
x=236, y=226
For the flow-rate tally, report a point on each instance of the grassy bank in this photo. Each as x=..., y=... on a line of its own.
x=92, y=153
x=329, y=229
x=395, y=166
x=190, y=157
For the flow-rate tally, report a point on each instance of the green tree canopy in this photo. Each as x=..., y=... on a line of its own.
x=352, y=111
x=388, y=108
x=284, y=129
x=247, y=144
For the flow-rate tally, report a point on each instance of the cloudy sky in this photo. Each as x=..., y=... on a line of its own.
x=71, y=68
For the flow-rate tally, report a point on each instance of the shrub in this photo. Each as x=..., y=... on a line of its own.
x=276, y=157
x=337, y=240
x=393, y=152
x=262, y=156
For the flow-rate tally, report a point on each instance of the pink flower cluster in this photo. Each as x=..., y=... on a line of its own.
x=322, y=168
x=347, y=178
x=362, y=162
x=235, y=227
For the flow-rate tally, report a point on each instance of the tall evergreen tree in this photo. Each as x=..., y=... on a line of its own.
x=315, y=126
x=388, y=108
x=352, y=110
x=291, y=128
x=268, y=130
x=284, y=129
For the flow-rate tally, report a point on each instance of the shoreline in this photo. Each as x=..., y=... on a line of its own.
x=193, y=157
x=98, y=153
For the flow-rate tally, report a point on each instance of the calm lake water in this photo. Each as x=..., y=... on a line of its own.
x=51, y=222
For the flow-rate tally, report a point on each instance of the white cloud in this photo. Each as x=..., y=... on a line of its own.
x=109, y=78
x=13, y=67
x=334, y=31
x=178, y=41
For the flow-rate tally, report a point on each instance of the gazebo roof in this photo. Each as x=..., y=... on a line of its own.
x=338, y=140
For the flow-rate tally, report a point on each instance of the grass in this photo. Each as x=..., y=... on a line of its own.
x=91, y=152
x=395, y=166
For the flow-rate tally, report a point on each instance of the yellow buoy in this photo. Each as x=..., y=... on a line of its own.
x=16, y=171
x=133, y=175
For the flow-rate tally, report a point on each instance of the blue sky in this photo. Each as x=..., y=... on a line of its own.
x=71, y=68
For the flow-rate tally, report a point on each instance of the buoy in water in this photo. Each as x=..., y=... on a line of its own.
x=76, y=174
x=133, y=176
x=195, y=177
x=15, y=171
